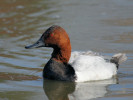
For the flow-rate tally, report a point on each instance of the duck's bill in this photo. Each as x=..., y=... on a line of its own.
x=38, y=44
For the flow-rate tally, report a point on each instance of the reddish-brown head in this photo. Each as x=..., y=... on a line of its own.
x=57, y=38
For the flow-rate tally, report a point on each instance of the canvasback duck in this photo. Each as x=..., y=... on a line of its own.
x=76, y=66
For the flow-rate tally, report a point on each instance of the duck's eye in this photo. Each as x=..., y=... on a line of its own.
x=52, y=34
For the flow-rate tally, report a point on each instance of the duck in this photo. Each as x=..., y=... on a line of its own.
x=76, y=66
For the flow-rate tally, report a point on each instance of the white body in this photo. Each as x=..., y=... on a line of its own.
x=90, y=66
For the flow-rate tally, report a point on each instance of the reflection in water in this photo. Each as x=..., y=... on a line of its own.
x=57, y=90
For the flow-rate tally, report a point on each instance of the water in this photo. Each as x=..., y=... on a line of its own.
x=103, y=26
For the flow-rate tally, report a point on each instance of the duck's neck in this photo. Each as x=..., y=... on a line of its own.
x=62, y=54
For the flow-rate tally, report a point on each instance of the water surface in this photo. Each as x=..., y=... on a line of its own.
x=104, y=26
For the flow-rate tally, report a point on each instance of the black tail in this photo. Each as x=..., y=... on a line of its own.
x=118, y=59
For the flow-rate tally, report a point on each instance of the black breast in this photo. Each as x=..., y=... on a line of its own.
x=59, y=71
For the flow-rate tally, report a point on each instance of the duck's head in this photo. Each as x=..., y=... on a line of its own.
x=57, y=38
x=54, y=37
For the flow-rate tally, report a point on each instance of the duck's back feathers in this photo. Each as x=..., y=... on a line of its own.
x=90, y=66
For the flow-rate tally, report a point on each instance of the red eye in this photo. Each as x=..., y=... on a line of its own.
x=51, y=34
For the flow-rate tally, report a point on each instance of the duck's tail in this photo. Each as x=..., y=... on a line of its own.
x=118, y=59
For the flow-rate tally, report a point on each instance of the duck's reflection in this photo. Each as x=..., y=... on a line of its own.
x=57, y=90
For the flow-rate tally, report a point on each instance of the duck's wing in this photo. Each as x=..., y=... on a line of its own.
x=88, y=68
x=116, y=59
x=92, y=66
x=76, y=54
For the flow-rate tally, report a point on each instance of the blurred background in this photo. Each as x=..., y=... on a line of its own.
x=104, y=26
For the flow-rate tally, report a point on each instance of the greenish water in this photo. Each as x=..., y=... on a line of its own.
x=104, y=26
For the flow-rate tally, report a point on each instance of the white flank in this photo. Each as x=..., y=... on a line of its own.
x=90, y=66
